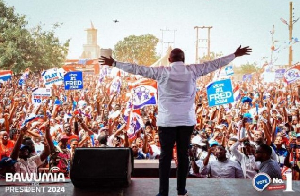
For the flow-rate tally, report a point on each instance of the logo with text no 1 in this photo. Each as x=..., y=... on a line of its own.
x=261, y=181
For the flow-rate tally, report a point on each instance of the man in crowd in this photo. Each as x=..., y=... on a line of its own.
x=268, y=166
x=21, y=153
x=223, y=167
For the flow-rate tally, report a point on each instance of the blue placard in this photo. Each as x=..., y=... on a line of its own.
x=229, y=70
x=219, y=93
x=73, y=80
x=247, y=77
x=279, y=73
x=21, y=82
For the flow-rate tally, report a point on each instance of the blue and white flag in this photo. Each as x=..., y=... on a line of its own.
x=5, y=75
x=144, y=93
x=220, y=92
x=115, y=85
x=103, y=73
x=292, y=74
x=33, y=118
x=134, y=124
x=279, y=73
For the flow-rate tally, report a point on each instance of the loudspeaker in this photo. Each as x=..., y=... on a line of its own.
x=102, y=167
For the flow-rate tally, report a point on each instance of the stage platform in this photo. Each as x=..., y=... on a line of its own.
x=149, y=187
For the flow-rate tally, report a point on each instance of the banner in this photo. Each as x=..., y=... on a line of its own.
x=115, y=85
x=144, y=92
x=220, y=92
x=73, y=80
x=291, y=75
x=5, y=75
x=53, y=76
x=229, y=70
x=40, y=94
x=247, y=77
x=279, y=73
x=134, y=124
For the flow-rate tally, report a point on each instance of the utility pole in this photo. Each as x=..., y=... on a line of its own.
x=291, y=34
x=272, y=49
x=290, y=25
x=197, y=41
x=162, y=39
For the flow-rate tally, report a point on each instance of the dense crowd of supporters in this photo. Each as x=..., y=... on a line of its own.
x=259, y=132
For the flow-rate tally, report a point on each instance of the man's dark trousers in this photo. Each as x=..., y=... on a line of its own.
x=167, y=137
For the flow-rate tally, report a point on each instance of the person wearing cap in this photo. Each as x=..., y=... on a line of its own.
x=176, y=87
x=198, y=160
x=21, y=154
x=137, y=153
x=218, y=135
x=197, y=153
x=292, y=159
x=30, y=143
x=223, y=167
x=60, y=154
x=6, y=166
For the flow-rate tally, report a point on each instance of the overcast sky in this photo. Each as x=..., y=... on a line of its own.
x=235, y=22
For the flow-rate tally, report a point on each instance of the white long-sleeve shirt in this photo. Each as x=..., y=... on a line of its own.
x=176, y=88
x=249, y=166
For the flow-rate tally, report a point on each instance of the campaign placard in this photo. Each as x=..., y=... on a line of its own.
x=279, y=73
x=40, y=94
x=229, y=70
x=73, y=80
x=53, y=76
x=291, y=75
x=247, y=77
x=220, y=92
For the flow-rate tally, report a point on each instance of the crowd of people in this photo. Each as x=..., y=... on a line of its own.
x=259, y=132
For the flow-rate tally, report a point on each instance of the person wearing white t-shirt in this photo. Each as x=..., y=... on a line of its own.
x=21, y=153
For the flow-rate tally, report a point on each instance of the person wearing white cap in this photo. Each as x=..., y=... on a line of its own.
x=197, y=154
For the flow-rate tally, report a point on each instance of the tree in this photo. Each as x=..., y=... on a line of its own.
x=247, y=68
x=49, y=52
x=22, y=48
x=212, y=56
x=137, y=49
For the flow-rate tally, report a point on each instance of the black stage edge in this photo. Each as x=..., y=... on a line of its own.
x=149, y=187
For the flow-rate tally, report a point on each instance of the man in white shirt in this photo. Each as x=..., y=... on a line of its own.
x=25, y=163
x=176, y=108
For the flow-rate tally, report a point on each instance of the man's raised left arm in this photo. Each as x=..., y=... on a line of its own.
x=210, y=66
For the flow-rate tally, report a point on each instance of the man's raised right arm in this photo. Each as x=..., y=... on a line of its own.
x=148, y=72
